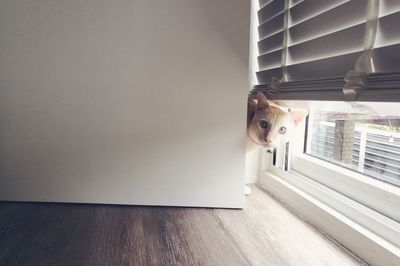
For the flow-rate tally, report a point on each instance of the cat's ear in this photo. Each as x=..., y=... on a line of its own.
x=298, y=116
x=262, y=102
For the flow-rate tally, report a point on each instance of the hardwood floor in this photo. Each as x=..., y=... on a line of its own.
x=264, y=233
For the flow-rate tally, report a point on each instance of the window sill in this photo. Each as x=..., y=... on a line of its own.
x=376, y=195
x=338, y=216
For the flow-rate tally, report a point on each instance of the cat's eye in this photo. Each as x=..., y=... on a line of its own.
x=264, y=124
x=282, y=130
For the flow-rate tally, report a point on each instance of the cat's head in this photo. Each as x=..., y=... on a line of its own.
x=271, y=125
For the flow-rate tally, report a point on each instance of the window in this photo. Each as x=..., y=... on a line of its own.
x=343, y=56
x=364, y=137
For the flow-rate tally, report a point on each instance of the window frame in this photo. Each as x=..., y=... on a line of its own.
x=376, y=194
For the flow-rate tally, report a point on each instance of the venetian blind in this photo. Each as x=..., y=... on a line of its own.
x=329, y=50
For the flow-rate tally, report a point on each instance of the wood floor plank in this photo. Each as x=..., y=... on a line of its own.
x=206, y=238
x=65, y=234
x=45, y=234
x=269, y=234
x=264, y=233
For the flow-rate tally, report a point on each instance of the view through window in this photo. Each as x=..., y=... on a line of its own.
x=362, y=136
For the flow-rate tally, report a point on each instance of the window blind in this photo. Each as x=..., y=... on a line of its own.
x=329, y=50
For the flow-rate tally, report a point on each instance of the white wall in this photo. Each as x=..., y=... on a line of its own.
x=132, y=102
x=252, y=166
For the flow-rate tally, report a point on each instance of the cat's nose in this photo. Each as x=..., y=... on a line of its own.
x=268, y=140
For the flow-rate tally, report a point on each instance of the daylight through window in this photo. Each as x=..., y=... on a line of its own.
x=364, y=137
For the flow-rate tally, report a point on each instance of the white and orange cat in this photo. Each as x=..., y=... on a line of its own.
x=269, y=124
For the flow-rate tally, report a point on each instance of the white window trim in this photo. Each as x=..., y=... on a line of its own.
x=361, y=213
x=377, y=195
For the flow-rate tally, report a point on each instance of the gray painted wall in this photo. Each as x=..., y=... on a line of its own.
x=130, y=102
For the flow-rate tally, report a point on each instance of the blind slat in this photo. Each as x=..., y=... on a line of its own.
x=388, y=30
x=270, y=10
x=310, y=8
x=335, y=44
x=265, y=76
x=342, y=17
x=270, y=60
x=388, y=7
x=263, y=3
x=271, y=43
x=387, y=58
x=386, y=50
x=335, y=66
x=271, y=27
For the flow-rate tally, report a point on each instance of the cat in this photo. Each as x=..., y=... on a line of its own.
x=269, y=124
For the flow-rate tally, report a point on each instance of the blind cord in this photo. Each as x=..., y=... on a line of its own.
x=391, y=138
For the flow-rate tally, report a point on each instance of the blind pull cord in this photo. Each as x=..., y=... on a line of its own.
x=391, y=138
x=356, y=79
x=285, y=42
x=274, y=84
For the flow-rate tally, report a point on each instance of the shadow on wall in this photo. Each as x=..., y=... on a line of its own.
x=228, y=25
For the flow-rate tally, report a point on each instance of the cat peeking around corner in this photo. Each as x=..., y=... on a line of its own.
x=269, y=124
